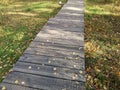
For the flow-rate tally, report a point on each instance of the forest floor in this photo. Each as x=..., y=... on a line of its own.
x=102, y=45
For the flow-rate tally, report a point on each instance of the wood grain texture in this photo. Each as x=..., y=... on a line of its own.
x=60, y=40
x=70, y=16
x=50, y=71
x=41, y=82
x=65, y=29
x=55, y=45
x=66, y=62
x=7, y=86
x=54, y=52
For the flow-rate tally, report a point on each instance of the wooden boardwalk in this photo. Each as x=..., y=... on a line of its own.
x=55, y=58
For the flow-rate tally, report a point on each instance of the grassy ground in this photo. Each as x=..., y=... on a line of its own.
x=102, y=45
x=20, y=21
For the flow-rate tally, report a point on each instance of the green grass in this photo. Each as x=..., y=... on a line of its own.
x=102, y=45
x=20, y=21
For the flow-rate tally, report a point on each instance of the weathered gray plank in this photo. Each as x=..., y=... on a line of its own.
x=66, y=62
x=55, y=45
x=70, y=16
x=50, y=71
x=76, y=2
x=68, y=41
x=7, y=86
x=76, y=8
x=65, y=24
x=71, y=11
x=54, y=52
x=66, y=21
x=60, y=35
x=39, y=46
x=66, y=29
x=40, y=82
x=61, y=41
x=74, y=5
x=59, y=28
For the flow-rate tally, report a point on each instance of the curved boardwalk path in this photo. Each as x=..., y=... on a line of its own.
x=55, y=58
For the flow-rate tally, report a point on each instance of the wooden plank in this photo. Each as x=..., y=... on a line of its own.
x=67, y=29
x=65, y=24
x=55, y=45
x=45, y=83
x=61, y=38
x=70, y=16
x=42, y=49
x=72, y=11
x=54, y=52
x=74, y=6
x=64, y=29
x=50, y=71
x=75, y=2
x=7, y=86
x=66, y=62
x=38, y=45
x=76, y=31
x=79, y=1
x=45, y=49
x=66, y=21
x=53, y=34
x=61, y=41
